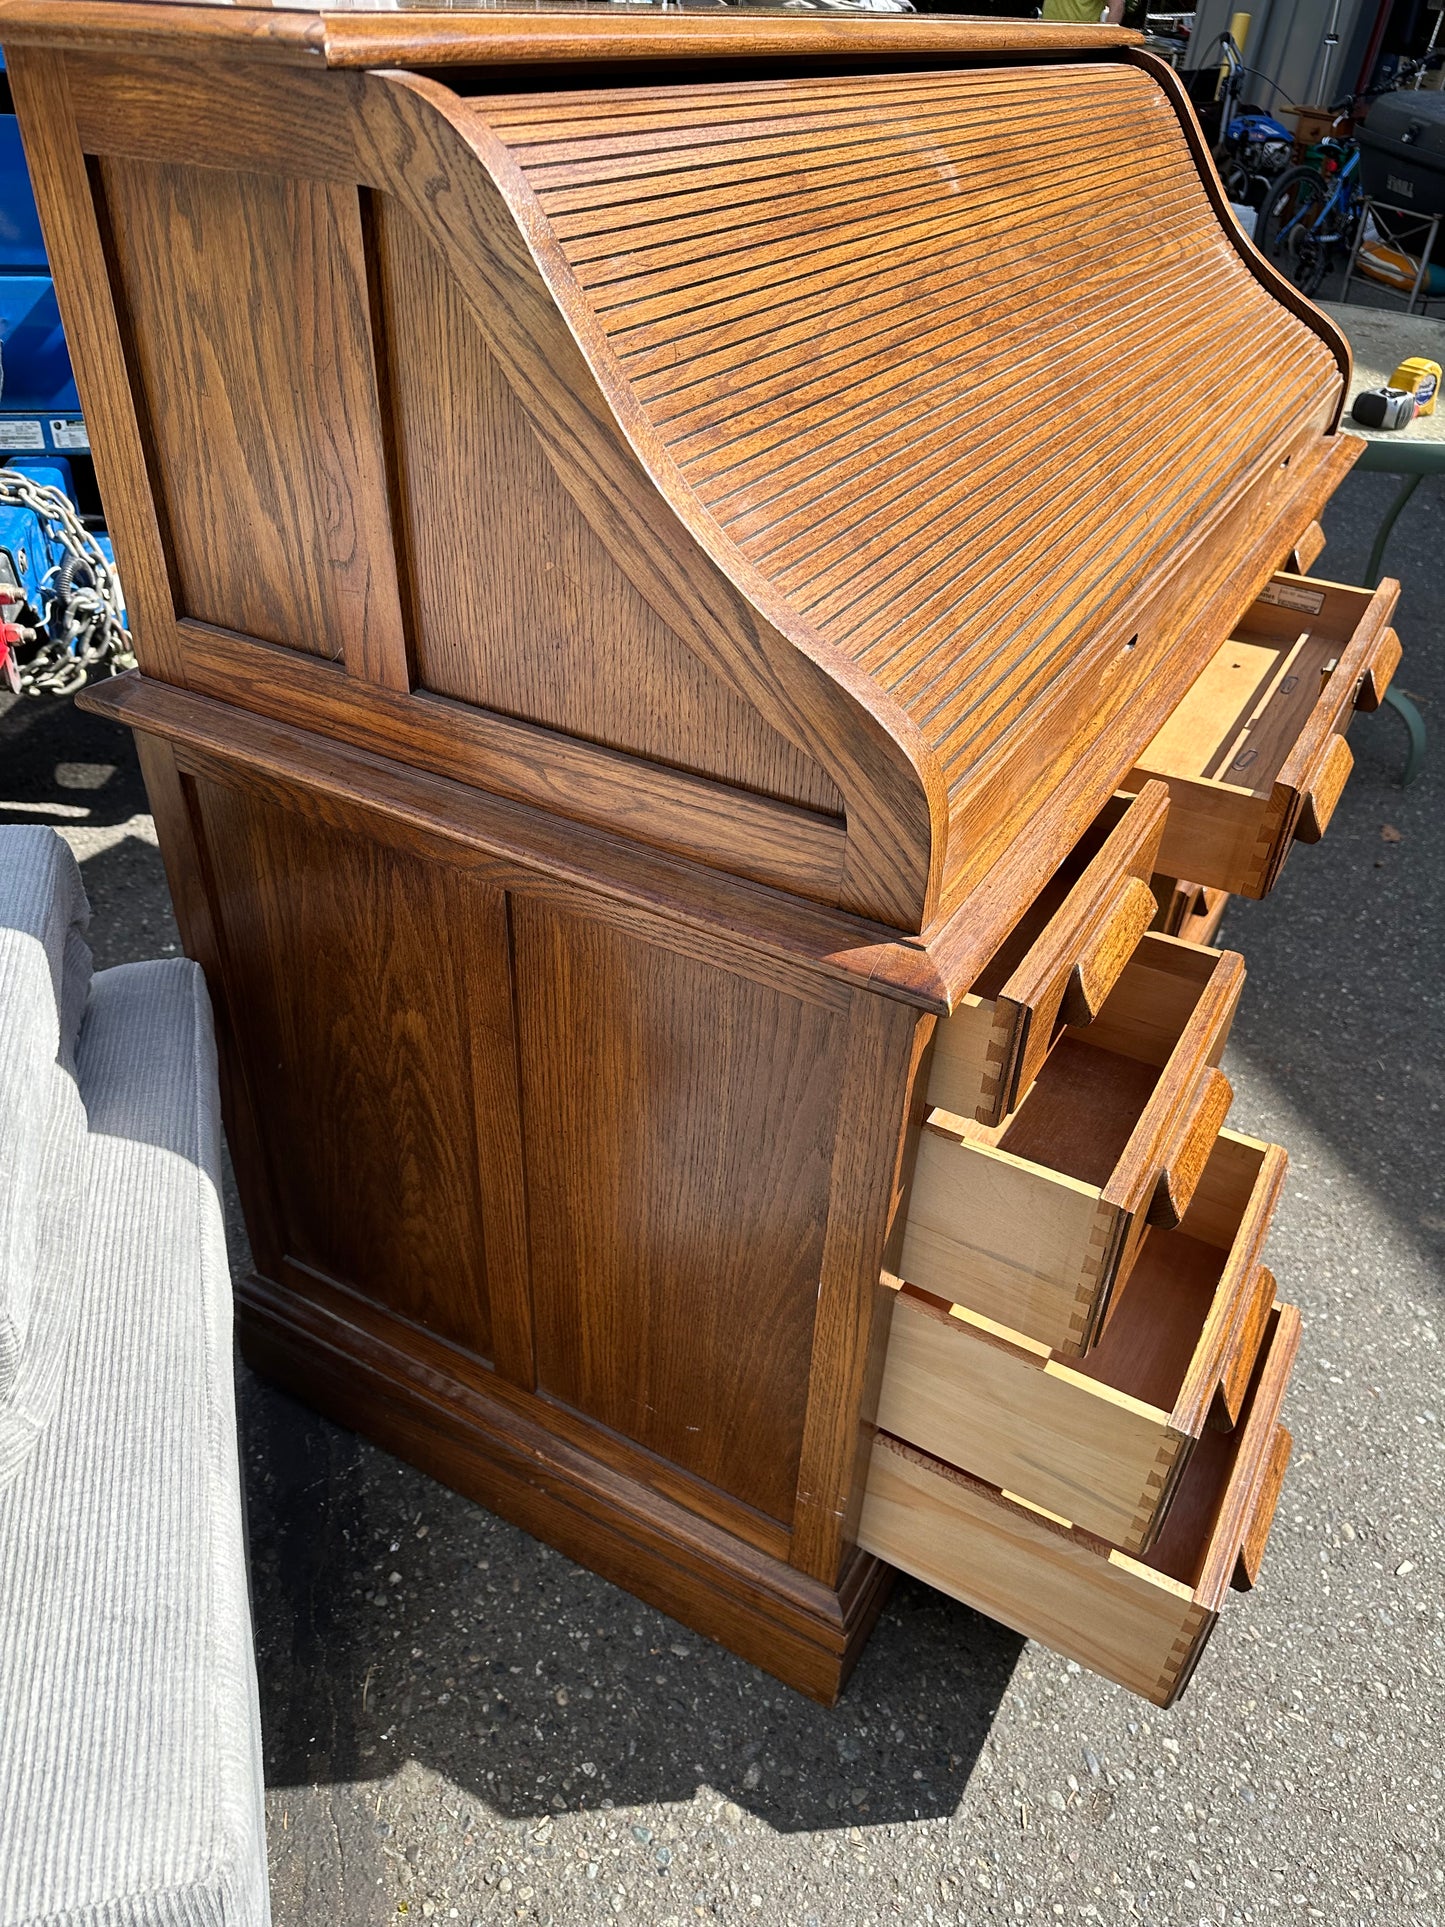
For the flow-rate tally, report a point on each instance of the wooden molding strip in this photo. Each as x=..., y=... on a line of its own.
x=401, y=40
x=529, y=849
x=729, y=829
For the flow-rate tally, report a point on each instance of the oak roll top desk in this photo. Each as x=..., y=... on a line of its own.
x=681, y=652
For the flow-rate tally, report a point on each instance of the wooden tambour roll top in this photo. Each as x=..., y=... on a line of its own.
x=700, y=581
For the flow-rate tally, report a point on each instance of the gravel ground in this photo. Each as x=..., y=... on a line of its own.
x=463, y=1726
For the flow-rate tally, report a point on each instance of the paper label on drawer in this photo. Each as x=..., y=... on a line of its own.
x=21, y=435
x=70, y=435
x=1285, y=595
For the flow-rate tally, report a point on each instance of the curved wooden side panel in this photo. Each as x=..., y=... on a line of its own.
x=420, y=144
x=1263, y=269
x=848, y=325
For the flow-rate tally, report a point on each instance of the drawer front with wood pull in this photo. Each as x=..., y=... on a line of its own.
x=1103, y=1440
x=1255, y=756
x=1140, y=1622
x=1058, y=965
x=1032, y=1222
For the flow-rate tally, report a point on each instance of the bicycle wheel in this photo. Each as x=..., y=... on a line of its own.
x=1299, y=229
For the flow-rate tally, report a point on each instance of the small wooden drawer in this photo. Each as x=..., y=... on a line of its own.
x=1104, y=1441
x=1141, y=1622
x=1057, y=966
x=1031, y=1222
x=1255, y=756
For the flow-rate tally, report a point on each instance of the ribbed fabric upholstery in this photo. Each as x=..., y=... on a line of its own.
x=44, y=975
x=130, y=1770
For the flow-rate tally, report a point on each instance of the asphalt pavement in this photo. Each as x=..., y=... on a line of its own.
x=462, y=1725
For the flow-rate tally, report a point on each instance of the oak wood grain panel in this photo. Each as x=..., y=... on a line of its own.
x=353, y=1002
x=550, y=630
x=680, y=1125
x=881, y=1061
x=462, y=187
x=189, y=875
x=531, y=851
x=245, y=297
x=76, y=249
x=229, y=112
x=435, y=1357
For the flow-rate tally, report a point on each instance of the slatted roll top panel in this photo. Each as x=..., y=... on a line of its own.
x=958, y=360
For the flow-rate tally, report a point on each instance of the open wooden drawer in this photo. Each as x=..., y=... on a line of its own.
x=1031, y=1222
x=1056, y=967
x=1141, y=1622
x=1104, y=1440
x=1255, y=756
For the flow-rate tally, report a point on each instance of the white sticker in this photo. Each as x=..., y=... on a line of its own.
x=21, y=435
x=1285, y=595
x=69, y=435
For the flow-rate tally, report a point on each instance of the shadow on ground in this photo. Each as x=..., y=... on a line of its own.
x=399, y=1621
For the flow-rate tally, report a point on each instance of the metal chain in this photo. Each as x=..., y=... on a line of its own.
x=84, y=612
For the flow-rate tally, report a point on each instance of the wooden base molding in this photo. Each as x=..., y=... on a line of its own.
x=804, y=1633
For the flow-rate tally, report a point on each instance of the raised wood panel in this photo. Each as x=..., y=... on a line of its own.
x=550, y=629
x=244, y=300
x=818, y=346
x=363, y=1023
x=680, y=1125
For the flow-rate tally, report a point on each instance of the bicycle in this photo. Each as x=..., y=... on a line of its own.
x=1310, y=214
x=1309, y=218
x=1252, y=145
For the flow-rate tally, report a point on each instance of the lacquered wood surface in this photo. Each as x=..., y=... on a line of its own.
x=551, y=629
x=623, y=645
x=418, y=37
x=273, y=498
x=827, y=371
x=674, y=1268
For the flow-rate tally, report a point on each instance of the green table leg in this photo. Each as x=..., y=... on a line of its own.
x=1373, y=568
x=1415, y=724
x=1407, y=712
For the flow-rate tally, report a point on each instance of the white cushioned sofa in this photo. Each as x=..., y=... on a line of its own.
x=130, y=1760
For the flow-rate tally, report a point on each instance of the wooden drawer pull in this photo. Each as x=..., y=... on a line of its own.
x=1379, y=671
x=1326, y=786
x=1109, y=947
x=1186, y=1157
x=1247, y=1338
x=1307, y=549
x=1256, y=1537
